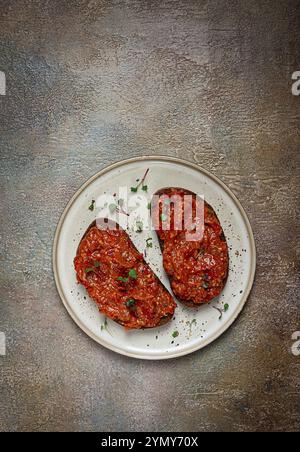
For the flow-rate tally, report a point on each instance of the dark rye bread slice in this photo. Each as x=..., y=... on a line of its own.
x=119, y=280
x=197, y=271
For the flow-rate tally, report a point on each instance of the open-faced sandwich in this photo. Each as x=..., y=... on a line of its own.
x=197, y=269
x=119, y=280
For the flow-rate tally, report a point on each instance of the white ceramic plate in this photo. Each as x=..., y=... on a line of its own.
x=195, y=328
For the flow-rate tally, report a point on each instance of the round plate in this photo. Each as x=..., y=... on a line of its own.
x=191, y=329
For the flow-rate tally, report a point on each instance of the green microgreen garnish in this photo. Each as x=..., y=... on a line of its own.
x=175, y=334
x=130, y=303
x=221, y=311
x=190, y=324
x=104, y=326
x=92, y=269
x=92, y=206
x=141, y=184
x=149, y=206
x=140, y=226
x=149, y=243
x=89, y=270
x=112, y=208
x=133, y=274
x=118, y=207
x=124, y=280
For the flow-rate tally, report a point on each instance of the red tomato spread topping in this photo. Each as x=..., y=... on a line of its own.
x=198, y=269
x=119, y=280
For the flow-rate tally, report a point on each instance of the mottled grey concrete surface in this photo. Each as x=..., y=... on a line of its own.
x=94, y=81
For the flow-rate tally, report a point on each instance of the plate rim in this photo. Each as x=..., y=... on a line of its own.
x=225, y=326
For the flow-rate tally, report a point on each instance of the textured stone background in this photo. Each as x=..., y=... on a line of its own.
x=94, y=81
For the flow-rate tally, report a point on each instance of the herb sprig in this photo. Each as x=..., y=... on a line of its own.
x=149, y=243
x=104, y=326
x=190, y=324
x=131, y=303
x=92, y=269
x=92, y=206
x=124, y=280
x=141, y=184
x=118, y=208
x=139, y=226
x=221, y=311
x=131, y=275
